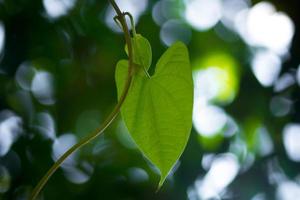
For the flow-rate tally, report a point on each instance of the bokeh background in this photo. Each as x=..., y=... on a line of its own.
x=57, y=61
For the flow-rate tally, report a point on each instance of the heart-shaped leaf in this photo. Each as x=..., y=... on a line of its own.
x=158, y=110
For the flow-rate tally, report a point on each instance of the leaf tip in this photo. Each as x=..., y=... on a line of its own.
x=161, y=182
x=180, y=44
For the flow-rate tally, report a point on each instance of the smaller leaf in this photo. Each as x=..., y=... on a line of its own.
x=142, y=53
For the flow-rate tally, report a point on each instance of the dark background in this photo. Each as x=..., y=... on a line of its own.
x=57, y=85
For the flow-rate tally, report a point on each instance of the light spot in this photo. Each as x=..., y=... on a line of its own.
x=288, y=190
x=240, y=23
x=102, y=146
x=158, y=13
x=298, y=75
x=265, y=143
x=42, y=87
x=192, y=194
x=280, y=106
x=207, y=160
x=203, y=14
x=259, y=196
x=224, y=169
x=25, y=75
x=174, y=30
x=266, y=67
x=230, y=10
x=135, y=7
x=61, y=145
x=10, y=129
x=231, y=127
x=79, y=176
x=285, y=81
x=2, y=37
x=216, y=78
x=208, y=82
x=58, y=8
x=208, y=120
x=291, y=138
x=264, y=27
x=275, y=172
x=137, y=175
x=76, y=176
x=45, y=124
x=238, y=147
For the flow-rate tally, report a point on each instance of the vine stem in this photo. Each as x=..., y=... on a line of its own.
x=109, y=119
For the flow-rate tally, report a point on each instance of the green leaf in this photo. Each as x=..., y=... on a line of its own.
x=142, y=54
x=158, y=110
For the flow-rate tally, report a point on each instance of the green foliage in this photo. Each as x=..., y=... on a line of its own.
x=158, y=109
x=142, y=54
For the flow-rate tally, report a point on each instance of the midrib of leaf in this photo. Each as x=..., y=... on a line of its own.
x=155, y=125
x=174, y=102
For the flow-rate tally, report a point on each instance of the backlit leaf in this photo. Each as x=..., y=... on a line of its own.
x=158, y=110
x=142, y=54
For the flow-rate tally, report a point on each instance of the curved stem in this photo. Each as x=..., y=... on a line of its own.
x=108, y=120
x=132, y=23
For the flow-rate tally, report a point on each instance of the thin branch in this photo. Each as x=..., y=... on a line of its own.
x=108, y=120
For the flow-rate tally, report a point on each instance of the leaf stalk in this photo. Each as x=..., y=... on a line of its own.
x=121, y=18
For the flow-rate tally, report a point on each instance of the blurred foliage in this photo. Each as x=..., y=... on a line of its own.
x=57, y=84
